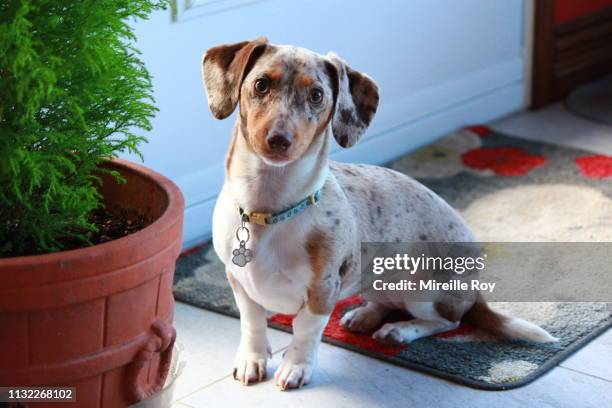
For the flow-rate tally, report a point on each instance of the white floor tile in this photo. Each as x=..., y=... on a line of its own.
x=556, y=125
x=346, y=379
x=594, y=359
x=210, y=341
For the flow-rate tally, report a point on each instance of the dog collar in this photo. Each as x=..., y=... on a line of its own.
x=269, y=219
x=243, y=255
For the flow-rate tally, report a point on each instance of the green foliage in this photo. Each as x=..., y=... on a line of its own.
x=73, y=92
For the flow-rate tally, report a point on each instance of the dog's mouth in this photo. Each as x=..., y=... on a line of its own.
x=276, y=159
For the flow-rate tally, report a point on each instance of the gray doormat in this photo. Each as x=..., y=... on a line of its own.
x=509, y=190
x=593, y=101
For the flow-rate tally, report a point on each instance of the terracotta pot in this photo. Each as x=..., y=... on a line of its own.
x=98, y=318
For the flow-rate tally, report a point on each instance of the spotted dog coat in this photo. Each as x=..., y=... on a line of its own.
x=304, y=265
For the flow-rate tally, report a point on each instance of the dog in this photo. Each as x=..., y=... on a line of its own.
x=288, y=222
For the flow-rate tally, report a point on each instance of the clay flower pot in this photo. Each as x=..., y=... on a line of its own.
x=98, y=318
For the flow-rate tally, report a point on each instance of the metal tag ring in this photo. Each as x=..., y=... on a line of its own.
x=248, y=234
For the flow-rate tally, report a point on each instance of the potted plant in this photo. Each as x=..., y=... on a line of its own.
x=88, y=242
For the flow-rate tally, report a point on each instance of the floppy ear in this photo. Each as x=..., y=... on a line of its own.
x=356, y=100
x=223, y=69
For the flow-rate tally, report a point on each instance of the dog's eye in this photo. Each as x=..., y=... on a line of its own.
x=262, y=85
x=316, y=96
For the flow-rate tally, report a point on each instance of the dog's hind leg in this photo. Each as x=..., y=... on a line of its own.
x=408, y=331
x=365, y=318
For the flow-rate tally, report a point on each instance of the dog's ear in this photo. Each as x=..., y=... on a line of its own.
x=356, y=100
x=224, y=68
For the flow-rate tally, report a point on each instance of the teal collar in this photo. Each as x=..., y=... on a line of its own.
x=269, y=219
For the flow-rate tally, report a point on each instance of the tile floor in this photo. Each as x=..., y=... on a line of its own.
x=347, y=379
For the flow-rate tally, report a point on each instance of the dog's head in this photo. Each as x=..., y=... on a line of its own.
x=288, y=96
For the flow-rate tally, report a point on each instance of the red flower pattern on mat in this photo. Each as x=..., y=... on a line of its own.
x=338, y=334
x=503, y=161
x=480, y=130
x=595, y=166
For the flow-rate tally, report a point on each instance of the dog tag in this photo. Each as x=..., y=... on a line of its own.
x=242, y=255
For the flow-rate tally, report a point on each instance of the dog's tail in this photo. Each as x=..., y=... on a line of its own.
x=481, y=316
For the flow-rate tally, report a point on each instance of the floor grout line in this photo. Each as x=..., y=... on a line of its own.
x=587, y=374
x=217, y=381
x=204, y=387
x=178, y=404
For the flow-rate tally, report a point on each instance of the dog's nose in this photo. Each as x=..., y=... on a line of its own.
x=279, y=142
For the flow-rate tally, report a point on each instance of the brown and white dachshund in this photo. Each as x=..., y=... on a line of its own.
x=291, y=101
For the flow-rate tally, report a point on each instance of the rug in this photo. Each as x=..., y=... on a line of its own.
x=593, y=101
x=508, y=190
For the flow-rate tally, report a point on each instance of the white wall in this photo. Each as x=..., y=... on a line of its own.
x=440, y=65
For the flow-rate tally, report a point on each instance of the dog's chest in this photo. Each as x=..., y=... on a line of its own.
x=278, y=275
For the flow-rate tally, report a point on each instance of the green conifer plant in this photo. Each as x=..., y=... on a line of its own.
x=74, y=93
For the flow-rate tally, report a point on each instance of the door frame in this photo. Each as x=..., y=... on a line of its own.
x=568, y=54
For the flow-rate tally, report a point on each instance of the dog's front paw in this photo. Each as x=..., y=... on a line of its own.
x=296, y=368
x=292, y=375
x=250, y=366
